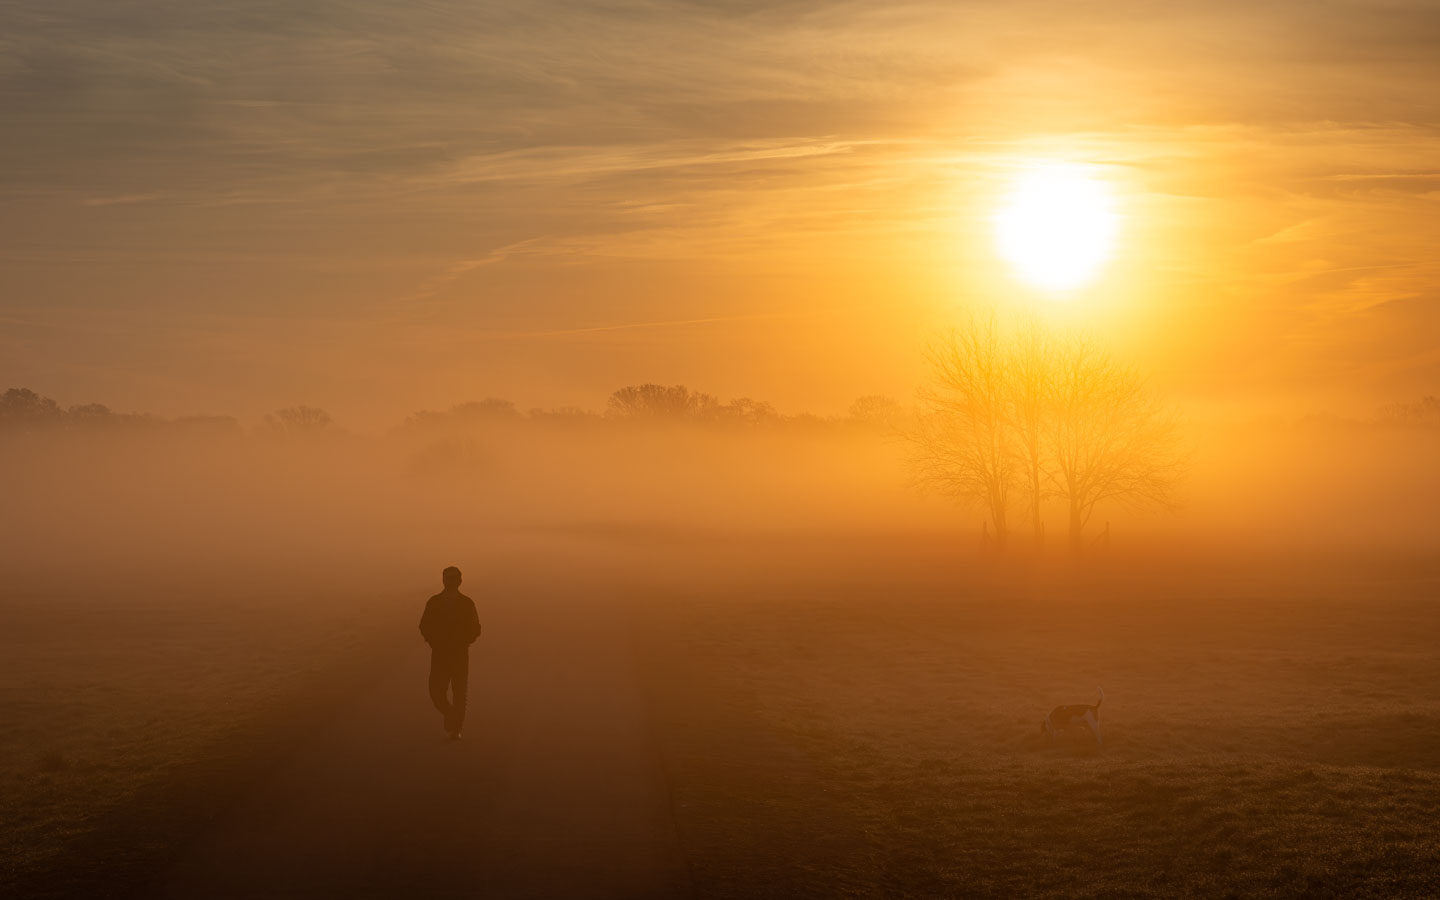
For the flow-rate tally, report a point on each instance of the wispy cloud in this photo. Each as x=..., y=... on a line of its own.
x=447, y=276
x=388, y=159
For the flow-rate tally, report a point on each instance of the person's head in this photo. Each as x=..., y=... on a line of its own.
x=450, y=577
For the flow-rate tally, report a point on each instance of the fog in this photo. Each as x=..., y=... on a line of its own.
x=164, y=499
x=155, y=499
x=201, y=593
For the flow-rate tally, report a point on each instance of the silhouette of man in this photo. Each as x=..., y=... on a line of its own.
x=450, y=626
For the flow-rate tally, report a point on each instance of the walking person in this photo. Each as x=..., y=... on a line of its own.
x=450, y=625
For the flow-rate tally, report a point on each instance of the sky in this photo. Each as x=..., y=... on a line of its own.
x=378, y=207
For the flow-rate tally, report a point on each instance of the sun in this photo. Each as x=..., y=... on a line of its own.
x=1056, y=226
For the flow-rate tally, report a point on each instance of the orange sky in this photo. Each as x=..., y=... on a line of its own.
x=380, y=206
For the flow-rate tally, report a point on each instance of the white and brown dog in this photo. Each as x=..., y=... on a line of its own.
x=1062, y=718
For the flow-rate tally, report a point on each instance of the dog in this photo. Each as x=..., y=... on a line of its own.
x=1062, y=718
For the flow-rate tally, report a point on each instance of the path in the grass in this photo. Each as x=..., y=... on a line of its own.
x=556, y=790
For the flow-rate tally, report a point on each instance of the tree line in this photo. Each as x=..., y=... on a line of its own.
x=662, y=404
x=22, y=409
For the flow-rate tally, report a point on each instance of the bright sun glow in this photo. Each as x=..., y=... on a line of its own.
x=1056, y=226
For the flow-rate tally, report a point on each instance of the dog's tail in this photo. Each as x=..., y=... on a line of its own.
x=1099, y=700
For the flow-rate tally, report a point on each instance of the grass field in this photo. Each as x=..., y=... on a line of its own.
x=879, y=736
x=836, y=719
x=124, y=701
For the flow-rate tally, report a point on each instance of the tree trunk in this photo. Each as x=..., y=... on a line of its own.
x=1035, y=523
x=1077, y=525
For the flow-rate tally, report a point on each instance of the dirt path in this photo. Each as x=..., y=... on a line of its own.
x=556, y=790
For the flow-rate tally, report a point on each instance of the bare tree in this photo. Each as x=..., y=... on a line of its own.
x=298, y=421
x=1029, y=404
x=658, y=401
x=1424, y=413
x=877, y=412
x=1026, y=411
x=962, y=444
x=1110, y=439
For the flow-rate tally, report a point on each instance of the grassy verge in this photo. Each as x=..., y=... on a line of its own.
x=133, y=716
x=828, y=741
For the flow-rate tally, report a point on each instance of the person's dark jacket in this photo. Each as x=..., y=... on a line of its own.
x=450, y=621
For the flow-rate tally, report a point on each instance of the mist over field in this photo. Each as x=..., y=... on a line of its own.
x=153, y=496
x=771, y=604
x=158, y=496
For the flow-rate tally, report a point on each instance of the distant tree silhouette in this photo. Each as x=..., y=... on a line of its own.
x=491, y=408
x=877, y=412
x=299, y=422
x=90, y=414
x=98, y=415
x=808, y=422
x=659, y=402
x=1110, y=439
x=1423, y=413
x=23, y=408
x=425, y=420
x=475, y=412
x=742, y=411
x=962, y=444
x=569, y=415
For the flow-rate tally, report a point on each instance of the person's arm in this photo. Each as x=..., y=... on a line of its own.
x=427, y=620
x=474, y=622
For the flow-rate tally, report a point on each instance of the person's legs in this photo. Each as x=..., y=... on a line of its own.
x=439, y=682
x=459, y=686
